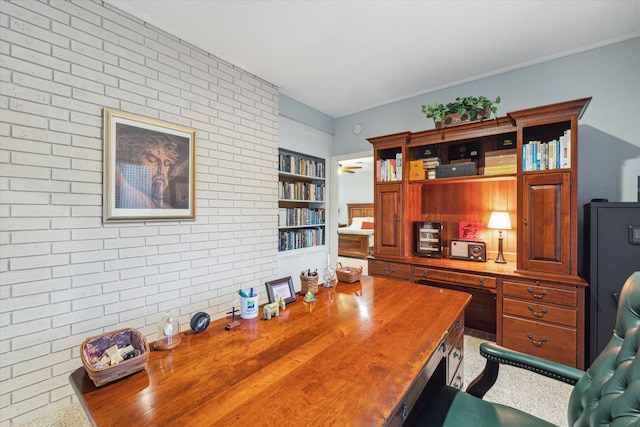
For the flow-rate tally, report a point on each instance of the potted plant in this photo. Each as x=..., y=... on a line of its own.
x=461, y=110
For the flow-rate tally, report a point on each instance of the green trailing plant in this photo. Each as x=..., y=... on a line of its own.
x=468, y=108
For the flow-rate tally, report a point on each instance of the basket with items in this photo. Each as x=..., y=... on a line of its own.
x=309, y=282
x=114, y=355
x=348, y=274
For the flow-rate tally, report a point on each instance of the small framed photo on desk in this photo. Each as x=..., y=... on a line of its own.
x=282, y=288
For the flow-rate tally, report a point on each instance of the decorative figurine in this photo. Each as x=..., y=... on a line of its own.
x=273, y=309
x=309, y=297
x=328, y=274
x=234, y=323
x=168, y=333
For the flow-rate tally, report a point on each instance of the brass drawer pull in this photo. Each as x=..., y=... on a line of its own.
x=539, y=314
x=535, y=342
x=456, y=326
x=386, y=270
x=538, y=296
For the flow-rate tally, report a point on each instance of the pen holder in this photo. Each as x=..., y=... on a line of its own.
x=249, y=307
x=309, y=283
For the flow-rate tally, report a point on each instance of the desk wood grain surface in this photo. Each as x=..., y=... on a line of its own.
x=348, y=360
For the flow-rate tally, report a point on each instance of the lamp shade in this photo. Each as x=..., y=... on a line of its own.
x=499, y=221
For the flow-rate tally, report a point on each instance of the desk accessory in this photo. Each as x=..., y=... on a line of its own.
x=309, y=282
x=200, y=321
x=348, y=274
x=429, y=239
x=468, y=250
x=234, y=323
x=93, y=348
x=284, y=288
x=168, y=333
x=329, y=273
x=500, y=221
x=273, y=309
x=249, y=307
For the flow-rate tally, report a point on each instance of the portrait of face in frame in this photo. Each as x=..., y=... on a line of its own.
x=149, y=169
x=281, y=288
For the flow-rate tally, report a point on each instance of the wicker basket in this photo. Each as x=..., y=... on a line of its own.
x=309, y=283
x=127, y=367
x=348, y=274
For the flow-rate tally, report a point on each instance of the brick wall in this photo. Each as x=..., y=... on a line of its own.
x=66, y=275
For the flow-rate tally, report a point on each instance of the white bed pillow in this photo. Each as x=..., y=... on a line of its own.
x=356, y=222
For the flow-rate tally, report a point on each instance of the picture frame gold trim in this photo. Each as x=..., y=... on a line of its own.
x=149, y=169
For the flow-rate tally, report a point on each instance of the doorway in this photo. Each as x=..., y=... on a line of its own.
x=354, y=184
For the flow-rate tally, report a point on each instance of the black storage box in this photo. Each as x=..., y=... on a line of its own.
x=458, y=169
x=467, y=150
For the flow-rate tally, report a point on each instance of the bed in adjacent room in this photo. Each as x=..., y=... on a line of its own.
x=356, y=239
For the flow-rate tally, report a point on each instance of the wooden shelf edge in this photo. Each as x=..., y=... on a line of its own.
x=465, y=179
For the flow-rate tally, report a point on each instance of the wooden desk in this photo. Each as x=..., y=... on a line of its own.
x=363, y=351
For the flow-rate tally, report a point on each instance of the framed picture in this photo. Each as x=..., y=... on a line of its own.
x=470, y=230
x=281, y=288
x=149, y=169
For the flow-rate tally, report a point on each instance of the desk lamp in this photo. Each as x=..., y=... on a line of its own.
x=500, y=221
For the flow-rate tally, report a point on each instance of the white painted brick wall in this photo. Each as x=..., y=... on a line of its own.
x=64, y=274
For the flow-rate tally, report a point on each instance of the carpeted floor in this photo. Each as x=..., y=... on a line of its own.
x=518, y=388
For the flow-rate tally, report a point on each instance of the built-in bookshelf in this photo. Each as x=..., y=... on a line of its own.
x=301, y=201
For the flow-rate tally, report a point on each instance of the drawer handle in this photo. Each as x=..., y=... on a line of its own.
x=425, y=273
x=535, y=342
x=404, y=411
x=386, y=270
x=539, y=314
x=538, y=296
x=458, y=353
x=456, y=326
x=458, y=383
x=443, y=347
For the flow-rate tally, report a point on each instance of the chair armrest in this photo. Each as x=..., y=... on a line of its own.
x=497, y=355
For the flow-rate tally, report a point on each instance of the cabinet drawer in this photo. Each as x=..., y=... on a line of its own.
x=541, y=292
x=423, y=273
x=553, y=342
x=542, y=312
x=454, y=362
x=389, y=269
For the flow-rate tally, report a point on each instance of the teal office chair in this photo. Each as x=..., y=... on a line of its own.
x=607, y=394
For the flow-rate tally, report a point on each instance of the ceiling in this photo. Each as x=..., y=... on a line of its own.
x=341, y=57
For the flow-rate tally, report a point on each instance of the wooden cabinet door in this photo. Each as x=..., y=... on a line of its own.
x=544, y=244
x=388, y=237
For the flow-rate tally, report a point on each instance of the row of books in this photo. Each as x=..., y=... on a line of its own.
x=389, y=169
x=301, y=191
x=294, y=164
x=290, y=240
x=554, y=154
x=296, y=217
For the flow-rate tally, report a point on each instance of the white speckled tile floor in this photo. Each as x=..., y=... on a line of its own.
x=531, y=393
x=535, y=394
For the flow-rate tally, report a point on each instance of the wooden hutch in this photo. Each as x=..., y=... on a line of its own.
x=534, y=302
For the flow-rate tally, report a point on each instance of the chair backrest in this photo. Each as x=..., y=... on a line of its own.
x=609, y=392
